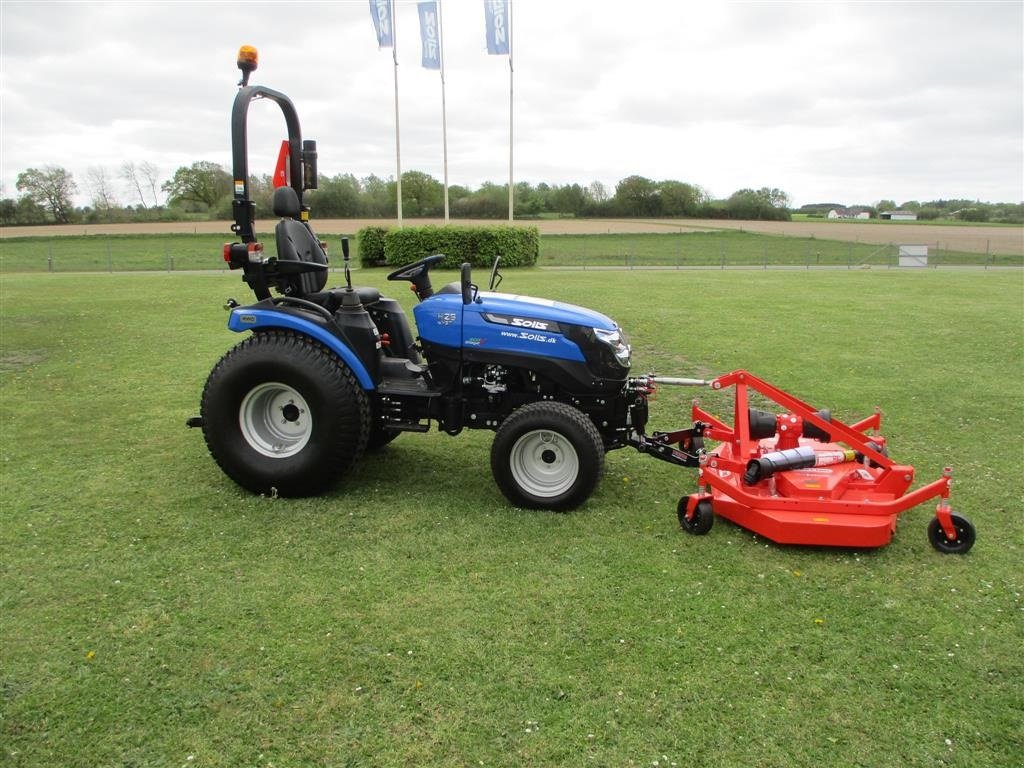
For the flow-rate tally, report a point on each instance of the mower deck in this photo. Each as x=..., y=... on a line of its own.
x=802, y=477
x=838, y=505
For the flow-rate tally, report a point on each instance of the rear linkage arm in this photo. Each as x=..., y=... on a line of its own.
x=660, y=444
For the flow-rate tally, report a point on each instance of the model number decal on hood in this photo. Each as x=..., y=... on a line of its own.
x=523, y=322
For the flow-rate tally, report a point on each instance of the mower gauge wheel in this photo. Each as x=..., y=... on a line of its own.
x=702, y=520
x=964, y=535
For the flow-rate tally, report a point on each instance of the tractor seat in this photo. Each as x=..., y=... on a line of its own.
x=296, y=242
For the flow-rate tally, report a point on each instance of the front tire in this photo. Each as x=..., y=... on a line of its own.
x=547, y=455
x=282, y=414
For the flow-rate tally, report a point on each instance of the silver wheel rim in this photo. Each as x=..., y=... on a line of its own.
x=275, y=420
x=544, y=463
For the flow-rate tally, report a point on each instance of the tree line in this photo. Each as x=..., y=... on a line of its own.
x=135, y=192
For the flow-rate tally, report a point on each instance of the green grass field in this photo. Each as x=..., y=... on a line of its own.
x=153, y=614
x=724, y=248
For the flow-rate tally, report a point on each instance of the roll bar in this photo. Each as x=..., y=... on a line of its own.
x=301, y=155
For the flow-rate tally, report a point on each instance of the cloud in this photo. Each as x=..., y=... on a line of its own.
x=823, y=100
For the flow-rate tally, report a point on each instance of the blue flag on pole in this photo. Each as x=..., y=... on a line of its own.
x=382, y=13
x=429, y=34
x=498, y=33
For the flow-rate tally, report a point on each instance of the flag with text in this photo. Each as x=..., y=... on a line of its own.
x=430, y=35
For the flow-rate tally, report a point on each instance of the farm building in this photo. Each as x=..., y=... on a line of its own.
x=849, y=213
x=899, y=215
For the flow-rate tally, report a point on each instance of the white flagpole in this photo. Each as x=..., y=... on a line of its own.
x=511, y=188
x=444, y=111
x=398, y=144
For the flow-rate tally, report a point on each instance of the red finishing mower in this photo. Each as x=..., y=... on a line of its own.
x=801, y=476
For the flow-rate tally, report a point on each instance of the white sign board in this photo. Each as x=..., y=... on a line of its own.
x=913, y=256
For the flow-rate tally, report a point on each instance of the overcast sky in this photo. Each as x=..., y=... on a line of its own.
x=836, y=102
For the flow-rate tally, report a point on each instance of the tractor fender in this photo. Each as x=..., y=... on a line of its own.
x=251, y=319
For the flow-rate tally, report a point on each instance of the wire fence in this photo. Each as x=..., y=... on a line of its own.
x=173, y=253
x=751, y=251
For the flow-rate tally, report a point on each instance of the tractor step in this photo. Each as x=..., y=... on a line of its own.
x=418, y=387
x=407, y=426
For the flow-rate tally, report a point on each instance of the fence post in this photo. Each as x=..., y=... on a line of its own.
x=49, y=256
x=110, y=258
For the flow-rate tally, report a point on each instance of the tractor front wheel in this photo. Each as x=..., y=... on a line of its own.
x=547, y=455
x=282, y=414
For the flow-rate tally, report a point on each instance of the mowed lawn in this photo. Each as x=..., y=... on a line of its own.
x=153, y=614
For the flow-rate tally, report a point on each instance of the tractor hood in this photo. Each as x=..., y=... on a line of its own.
x=529, y=307
x=523, y=327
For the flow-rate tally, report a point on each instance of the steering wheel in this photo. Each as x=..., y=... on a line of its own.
x=418, y=273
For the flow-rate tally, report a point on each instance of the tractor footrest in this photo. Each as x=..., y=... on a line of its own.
x=407, y=426
x=418, y=387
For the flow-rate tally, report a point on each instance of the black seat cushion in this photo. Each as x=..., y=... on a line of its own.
x=286, y=203
x=296, y=242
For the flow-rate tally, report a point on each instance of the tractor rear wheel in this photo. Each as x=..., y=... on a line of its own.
x=547, y=455
x=283, y=415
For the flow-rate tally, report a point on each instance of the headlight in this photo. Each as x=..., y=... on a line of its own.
x=619, y=344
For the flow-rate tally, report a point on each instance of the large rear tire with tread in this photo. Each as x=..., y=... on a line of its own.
x=547, y=455
x=284, y=415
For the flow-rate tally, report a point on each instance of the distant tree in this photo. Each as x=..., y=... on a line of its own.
x=457, y=192
x=528, y=201
x=202, y=182
x=976, y=213
x=151, y=176
x=422, y=194
x=261, y=192
x=336, y=196
x=678, y=199
x=378, y=197
x=776, y=198
x=763, y=204
x=51, y=188
x=488, y=202
x=598, y=192
x=570, y=199
x=638, y=196
x=100, y=186
x=133, y=181
x=8, y=212
x=885, y=205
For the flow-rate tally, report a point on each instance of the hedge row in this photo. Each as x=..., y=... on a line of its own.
x=517, y=246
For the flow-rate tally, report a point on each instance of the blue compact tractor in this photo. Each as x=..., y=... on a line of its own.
x=327, y=374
